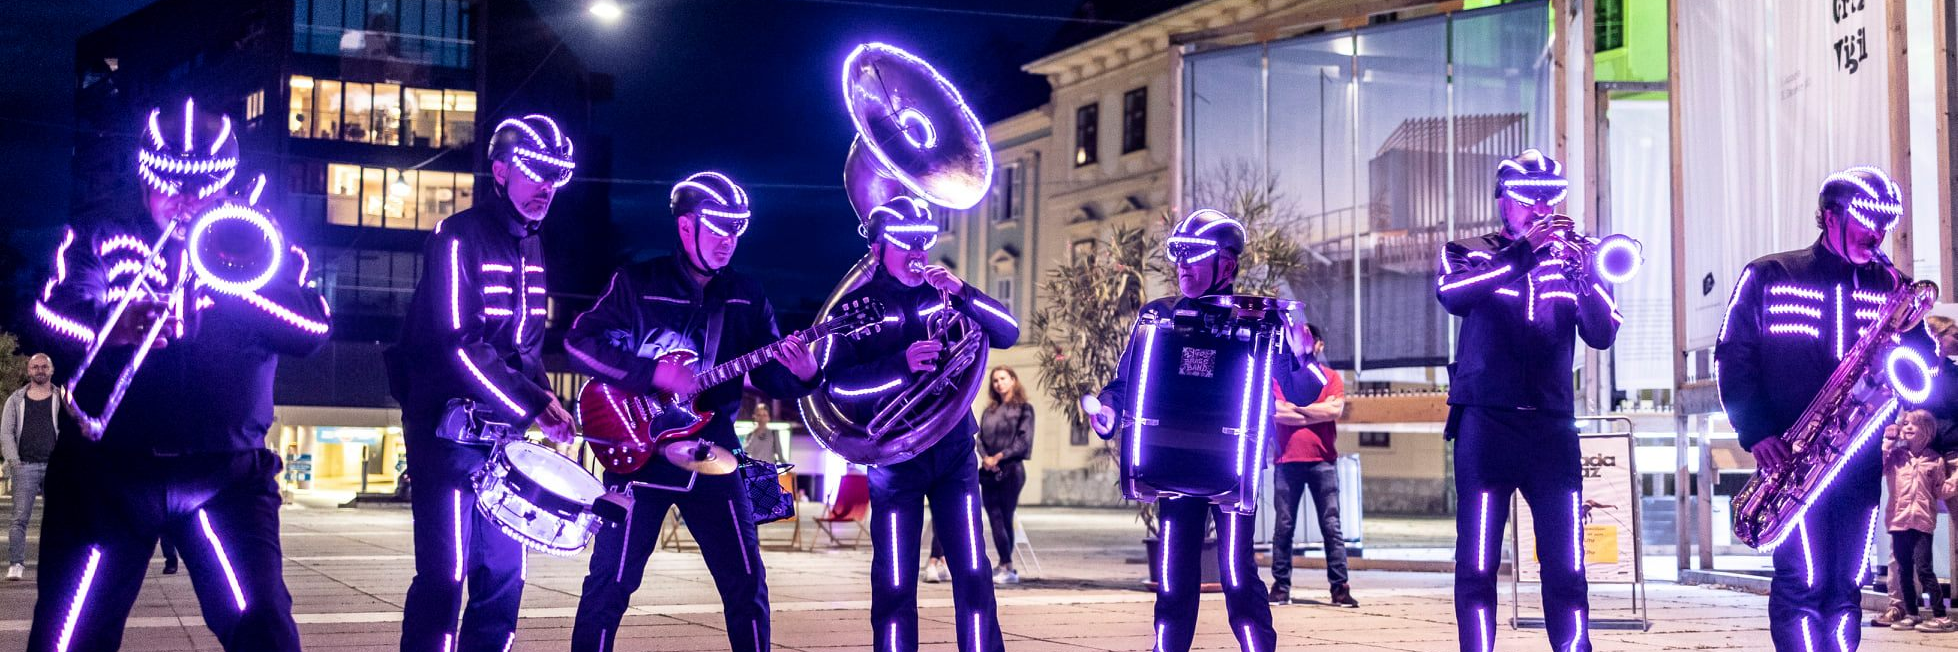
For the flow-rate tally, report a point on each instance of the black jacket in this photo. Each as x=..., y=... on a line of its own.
x=1293, y=373
x=1515, y=348
x=211, y=388
x=1791, y=316
x=860, y=371
x=653, y=308
x=1007, y=431
x=475, y=327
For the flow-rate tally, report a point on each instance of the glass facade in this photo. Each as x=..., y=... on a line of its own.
x=1372, y=156
x=430, y=32
x=381, y=114
x=394, y=199
x=366, y=281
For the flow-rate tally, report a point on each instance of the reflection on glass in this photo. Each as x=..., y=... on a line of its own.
x=373, y=196
x=400, y=203
x=465, y=191
x=386, y=129
x=300, y=122
x=424, y=115
x=359, y=114
x=343, y=194
x=435, y=197
x=326, y=110
x=459, y=118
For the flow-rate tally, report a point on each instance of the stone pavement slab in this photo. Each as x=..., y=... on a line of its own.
x=348, y=571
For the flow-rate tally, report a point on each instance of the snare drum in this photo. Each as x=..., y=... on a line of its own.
x=540, y=498
x=1199, y=423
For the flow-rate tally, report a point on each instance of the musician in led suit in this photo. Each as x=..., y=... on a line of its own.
x=860, y=372
x=1510, y=400
x=1792, y=316
x=691, y=301
x=1205, y=247
x=475, y=331
x=184, y=456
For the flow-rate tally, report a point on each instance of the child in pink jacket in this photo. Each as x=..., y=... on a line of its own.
x=1917, y=481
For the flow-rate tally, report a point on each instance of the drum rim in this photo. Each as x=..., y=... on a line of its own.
x=590, y=493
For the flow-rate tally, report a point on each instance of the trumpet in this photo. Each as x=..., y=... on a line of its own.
x=232, y=249
x=1614, y=259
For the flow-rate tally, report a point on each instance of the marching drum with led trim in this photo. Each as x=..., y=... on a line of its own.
x=1200, y=414
x=540, y=498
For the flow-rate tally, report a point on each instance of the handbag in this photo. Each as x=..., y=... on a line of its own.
x=768, y=501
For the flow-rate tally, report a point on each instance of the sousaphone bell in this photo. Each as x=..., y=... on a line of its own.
x=916, y=136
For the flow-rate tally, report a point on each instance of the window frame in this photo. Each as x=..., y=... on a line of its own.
x=1135, y=120
x=1087, y=134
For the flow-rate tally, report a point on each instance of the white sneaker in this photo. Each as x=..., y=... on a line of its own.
x=15, y=572
x=1004, y=575
x=936, y=572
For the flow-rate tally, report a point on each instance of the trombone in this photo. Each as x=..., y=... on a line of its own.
x=222, y=257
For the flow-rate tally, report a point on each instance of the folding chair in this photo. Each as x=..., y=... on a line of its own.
x=852, y=506
x=1023, y=549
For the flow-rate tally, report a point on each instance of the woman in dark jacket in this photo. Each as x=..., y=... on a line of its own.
x=1005, y=441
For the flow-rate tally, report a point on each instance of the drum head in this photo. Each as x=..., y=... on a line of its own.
x=553, y=472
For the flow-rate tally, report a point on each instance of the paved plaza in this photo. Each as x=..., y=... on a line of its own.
x=348, y=570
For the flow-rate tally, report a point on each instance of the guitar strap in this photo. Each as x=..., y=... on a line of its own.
x=716, y=311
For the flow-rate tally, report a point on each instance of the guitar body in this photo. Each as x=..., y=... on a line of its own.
x=626, y=428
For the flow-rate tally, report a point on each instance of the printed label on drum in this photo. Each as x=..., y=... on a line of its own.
x=1201, y=363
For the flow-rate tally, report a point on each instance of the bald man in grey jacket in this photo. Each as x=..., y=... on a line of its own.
x=28, y=425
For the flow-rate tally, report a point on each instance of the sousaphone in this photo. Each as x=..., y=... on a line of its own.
x=915, y=136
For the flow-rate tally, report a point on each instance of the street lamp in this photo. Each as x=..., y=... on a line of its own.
x=607, y=10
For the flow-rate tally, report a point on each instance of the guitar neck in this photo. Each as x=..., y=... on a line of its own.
x=737, y=367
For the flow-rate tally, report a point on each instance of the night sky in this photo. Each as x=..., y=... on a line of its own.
x=747, y=87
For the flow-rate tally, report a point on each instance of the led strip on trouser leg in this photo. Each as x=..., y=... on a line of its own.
x=224, y=560
x=81, y=598
x=1482, y=537
x=972, y=530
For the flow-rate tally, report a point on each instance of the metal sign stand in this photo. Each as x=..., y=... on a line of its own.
x=1640, y=619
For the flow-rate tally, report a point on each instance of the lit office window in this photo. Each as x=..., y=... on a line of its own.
x=392, y=198
x=381, y=113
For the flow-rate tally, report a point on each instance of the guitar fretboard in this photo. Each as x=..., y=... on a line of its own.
x=735, y=368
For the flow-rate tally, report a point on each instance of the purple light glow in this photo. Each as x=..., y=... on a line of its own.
x=1839, y=328
x=455, y=283
x=1482, y=537
x=1875, y=422
x=1505, y=269
x=878, y=389
x=1577, y=531
x=908, y=118
x=1739, y=287
x=972, y=529
x=224, y=560
x=1869, y=541
x=850, y=64
x=457, y=509
x=1917, y=365
x=287, y=316
x=1791, y=290
x=988, y=307
x=235, y=212
x=1142, y=389
x=897, y=575
x=1795, y=329
x=1168, y=549
x=1793, y=309
x=63, y=325
x=81, y=598
x=493, y=389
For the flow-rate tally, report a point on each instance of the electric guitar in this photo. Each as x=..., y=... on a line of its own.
x=627, y=428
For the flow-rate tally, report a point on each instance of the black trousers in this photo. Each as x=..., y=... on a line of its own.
x=717, y=512
x=1814, y=601
x=1499, y=452
x=1291, y=480
x=1914, y=570
x=1178, y=593
x=1000, y=493
x=105, y=514
x=947, y=473
x=454, y=544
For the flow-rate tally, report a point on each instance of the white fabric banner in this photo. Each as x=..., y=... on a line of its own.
x=1774, y=95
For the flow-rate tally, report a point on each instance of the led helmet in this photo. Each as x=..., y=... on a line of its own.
x=904, y=222
x=1204, y=233
x=1867, y=195
x=1532, y=178
x=536, y=147
x=720, y=204
x=187, y=153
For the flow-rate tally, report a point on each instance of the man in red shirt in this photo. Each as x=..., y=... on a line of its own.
x=1307, y=459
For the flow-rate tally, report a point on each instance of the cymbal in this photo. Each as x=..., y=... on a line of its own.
x=700, y=456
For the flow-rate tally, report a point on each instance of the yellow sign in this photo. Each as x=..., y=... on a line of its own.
x=1600, y=544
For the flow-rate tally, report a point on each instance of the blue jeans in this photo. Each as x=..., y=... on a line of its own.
x=1322, y=479
x=27, y=477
